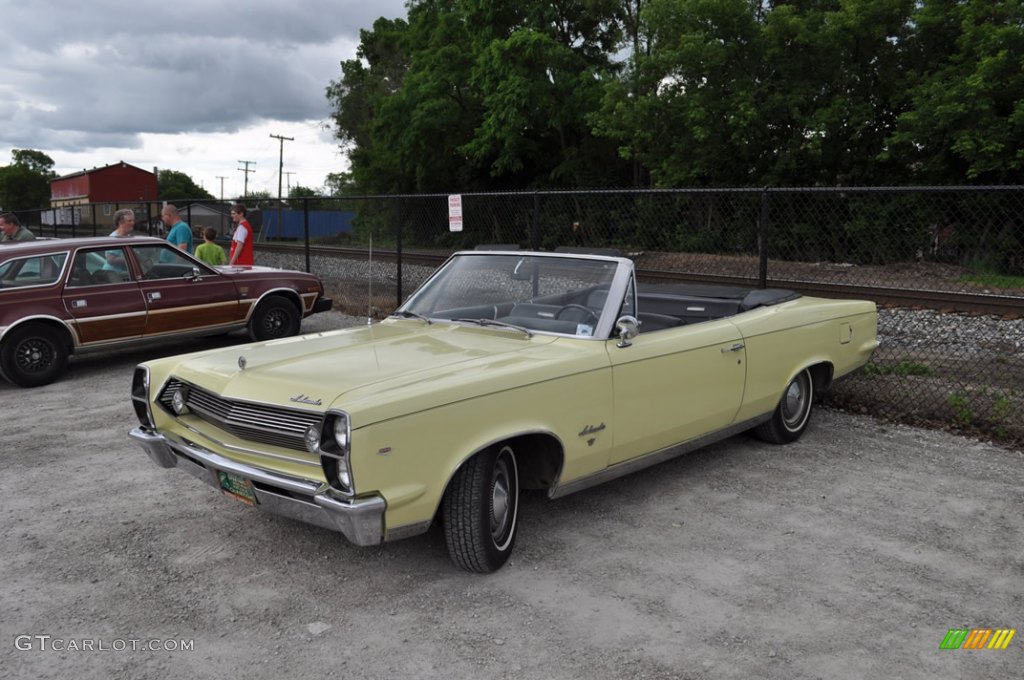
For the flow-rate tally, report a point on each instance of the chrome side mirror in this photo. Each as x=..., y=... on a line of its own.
x=194, y=275
x=627, y=327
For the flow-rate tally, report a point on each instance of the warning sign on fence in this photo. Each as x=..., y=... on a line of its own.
x=455, y=212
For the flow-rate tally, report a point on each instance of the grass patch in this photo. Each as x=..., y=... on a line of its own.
x=872, y=369
x=994, y=280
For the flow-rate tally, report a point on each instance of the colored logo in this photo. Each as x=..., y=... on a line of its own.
x=977, y=638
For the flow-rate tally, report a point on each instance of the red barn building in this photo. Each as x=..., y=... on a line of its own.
x=117, y=183
x=92, y=196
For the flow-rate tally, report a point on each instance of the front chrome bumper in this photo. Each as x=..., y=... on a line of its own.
x=361, y=520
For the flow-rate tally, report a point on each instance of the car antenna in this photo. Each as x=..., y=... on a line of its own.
x=369, y=288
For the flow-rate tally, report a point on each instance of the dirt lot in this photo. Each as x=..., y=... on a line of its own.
x=847, y=555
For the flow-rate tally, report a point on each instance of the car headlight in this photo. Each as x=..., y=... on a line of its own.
x=179, y=400
x=140, y=397
x=341, y=431
x=331, y=442
x=312, y=438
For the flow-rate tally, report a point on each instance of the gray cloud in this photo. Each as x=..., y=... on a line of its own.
x=84, y=75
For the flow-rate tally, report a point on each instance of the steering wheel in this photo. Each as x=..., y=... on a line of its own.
x=589, y=312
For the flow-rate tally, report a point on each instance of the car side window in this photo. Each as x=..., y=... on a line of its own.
x=165, y=262
x=38, y=270
x=98, y=267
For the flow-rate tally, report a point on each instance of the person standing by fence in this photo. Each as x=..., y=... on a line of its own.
x=208, y=251
x=242, y=241
x=11, y=229
x=180, y=233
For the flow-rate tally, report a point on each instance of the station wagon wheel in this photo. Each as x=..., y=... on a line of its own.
x=793, y=413
x=481, y=509
x=274, y=318
x=33, y=355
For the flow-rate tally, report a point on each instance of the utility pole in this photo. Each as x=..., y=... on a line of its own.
x=222, y=187
x=290, y=173
x=246, y=170
x=280, y=176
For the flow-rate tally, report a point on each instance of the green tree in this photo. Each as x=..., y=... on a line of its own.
x=299, y=197
x=828, y=95
x=25, y=183
x=172, y=185
x=474, y=95
x=964, y=118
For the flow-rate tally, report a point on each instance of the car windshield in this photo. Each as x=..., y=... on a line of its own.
x=538, y=293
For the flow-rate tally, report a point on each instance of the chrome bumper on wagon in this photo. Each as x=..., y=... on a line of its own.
x=361, y=520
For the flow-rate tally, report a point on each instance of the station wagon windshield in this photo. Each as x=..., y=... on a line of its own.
x=546, y=294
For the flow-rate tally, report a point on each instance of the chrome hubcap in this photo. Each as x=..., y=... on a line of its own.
x=503, y=498
x=794, y=404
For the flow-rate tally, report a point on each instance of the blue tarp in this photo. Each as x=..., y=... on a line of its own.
x=321, y=223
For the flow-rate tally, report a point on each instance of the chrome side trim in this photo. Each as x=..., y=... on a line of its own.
x=107, y=317
x=653, y=458
x=178, y=310
x=157, y=337
x=360, y=520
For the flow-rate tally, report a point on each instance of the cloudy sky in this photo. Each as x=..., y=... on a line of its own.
x=188, y=85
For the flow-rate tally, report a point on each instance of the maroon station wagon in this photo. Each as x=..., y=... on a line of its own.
x=63, y=296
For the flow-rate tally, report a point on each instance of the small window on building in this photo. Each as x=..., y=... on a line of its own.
x=108, y=210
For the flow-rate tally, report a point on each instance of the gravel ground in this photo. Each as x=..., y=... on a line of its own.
x=849, y=554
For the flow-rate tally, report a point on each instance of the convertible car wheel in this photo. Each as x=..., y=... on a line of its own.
x=274, y=318
x=481, y=508
x=793, y=412
x=33, y=355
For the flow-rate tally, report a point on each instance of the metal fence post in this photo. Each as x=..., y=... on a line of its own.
x=535, y=228
x=762, y=242
x=305, y=227
x=398, y=262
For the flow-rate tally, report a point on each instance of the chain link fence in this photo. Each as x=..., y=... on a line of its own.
x=920, y=252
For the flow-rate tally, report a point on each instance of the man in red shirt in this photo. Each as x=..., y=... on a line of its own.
x=241, y=242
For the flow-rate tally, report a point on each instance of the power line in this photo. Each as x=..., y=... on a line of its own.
x=280, y=171
x=280, y=176
x=246, y=170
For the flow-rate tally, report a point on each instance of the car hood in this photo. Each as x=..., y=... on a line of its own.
x=385, y=370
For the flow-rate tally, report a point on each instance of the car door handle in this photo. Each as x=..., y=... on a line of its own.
x=735, y=348
x=155, y=295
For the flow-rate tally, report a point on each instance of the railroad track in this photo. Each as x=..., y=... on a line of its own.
x=945, y=301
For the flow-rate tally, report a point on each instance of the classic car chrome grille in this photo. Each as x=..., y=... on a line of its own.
x=261, y=423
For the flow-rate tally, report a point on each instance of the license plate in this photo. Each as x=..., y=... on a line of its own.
x=237, y=487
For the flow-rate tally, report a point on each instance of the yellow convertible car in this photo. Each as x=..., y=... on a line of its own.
x=504, y=371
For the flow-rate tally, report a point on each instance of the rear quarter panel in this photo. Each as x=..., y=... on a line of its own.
x=257, y=283
x=783, y=339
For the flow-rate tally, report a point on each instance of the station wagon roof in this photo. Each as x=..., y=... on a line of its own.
x=48, y=245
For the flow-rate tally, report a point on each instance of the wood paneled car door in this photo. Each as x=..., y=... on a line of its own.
x=101, y=296
x=675, y=384
x=179, y=302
